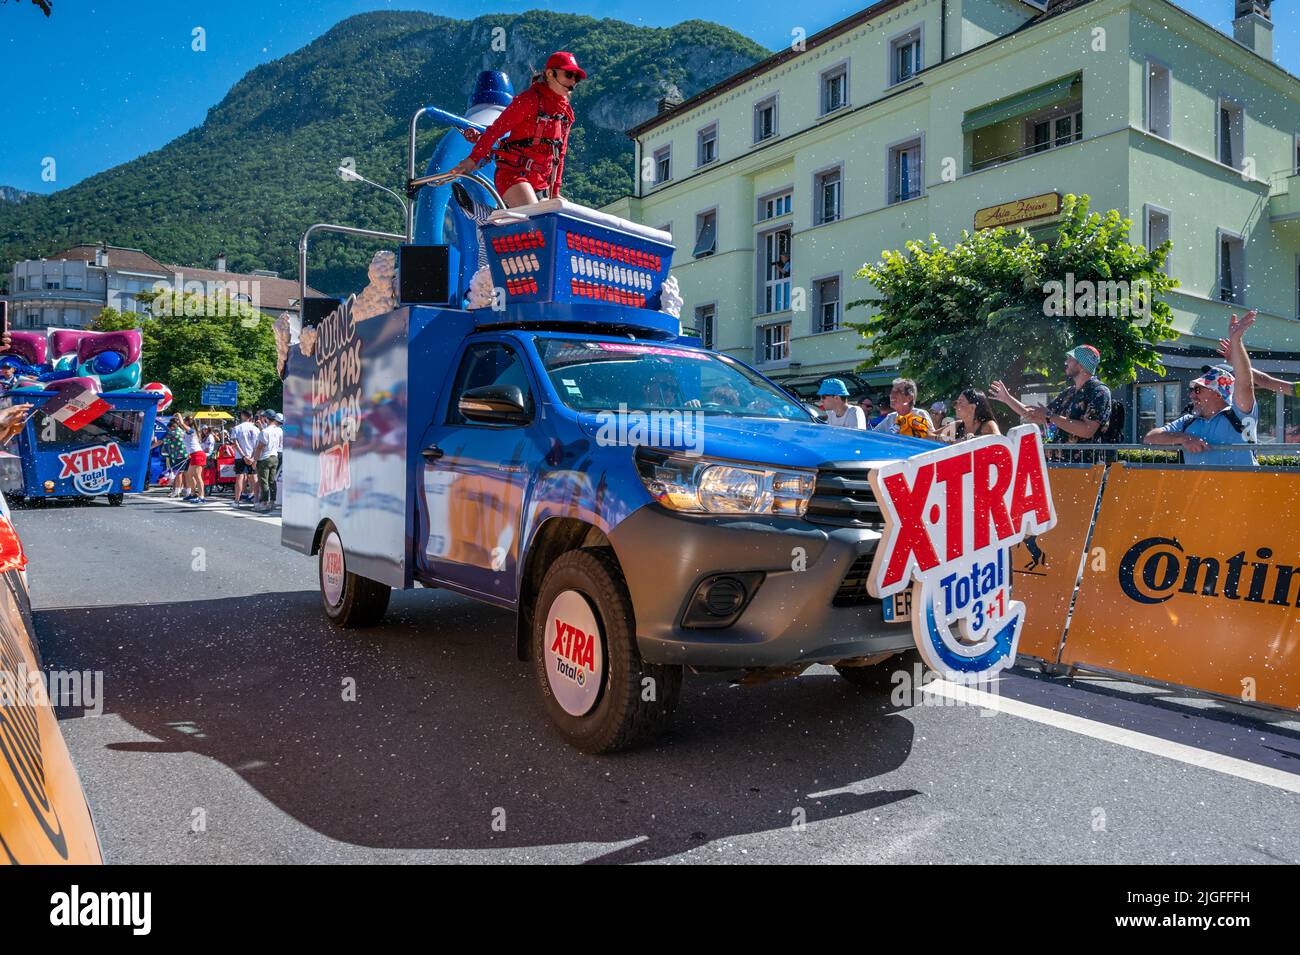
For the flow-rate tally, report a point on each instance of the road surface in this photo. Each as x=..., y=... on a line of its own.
x=228, y=734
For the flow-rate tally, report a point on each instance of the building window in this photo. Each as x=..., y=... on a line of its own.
x=1158, y=100
x=772, y=207
x=776, y=266
x=706, y=233
x=835, y=88
x=704, y=324
x=1061, y=129
x=826, y=293
x=774, y=343
x=51, y=284
x=22, y=283
x=1231, y=131
x=1158, y=231
x=826, y=196
x=1232, y=268
x=663, y=157
x=1157, y=404
x=905, y=57
x=73, y=282
x=765, y=119
x=905, y=171
x=706, y=145
x=72, y=317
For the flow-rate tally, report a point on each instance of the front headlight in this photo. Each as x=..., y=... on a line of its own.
x=708, y=486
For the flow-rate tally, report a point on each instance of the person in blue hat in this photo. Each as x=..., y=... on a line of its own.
x=835, y=402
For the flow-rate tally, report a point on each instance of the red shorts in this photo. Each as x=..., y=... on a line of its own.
x=507, y=176
x=199, y=459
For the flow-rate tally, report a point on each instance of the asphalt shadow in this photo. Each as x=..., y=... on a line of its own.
x=446, y=744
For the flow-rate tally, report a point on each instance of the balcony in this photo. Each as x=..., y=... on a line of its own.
x=1284, y=203
x=1031, y=121
x=41, y=295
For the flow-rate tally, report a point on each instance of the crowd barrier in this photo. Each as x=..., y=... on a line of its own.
x=1172, y=574
x=44, y=818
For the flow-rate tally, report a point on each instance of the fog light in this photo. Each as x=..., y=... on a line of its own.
x=723, y=596
x=126, y=484
x=719, y=600
x=49, y=487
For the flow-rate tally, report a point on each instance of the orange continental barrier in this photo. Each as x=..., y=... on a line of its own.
x=1194, y=579
x=1046, y=568
x=43, y=813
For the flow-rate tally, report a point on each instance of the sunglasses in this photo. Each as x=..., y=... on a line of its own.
x=569, y=75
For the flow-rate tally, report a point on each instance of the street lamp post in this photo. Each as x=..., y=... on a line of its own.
x=348, y=174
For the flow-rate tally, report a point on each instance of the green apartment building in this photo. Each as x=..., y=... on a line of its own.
x=920, y=116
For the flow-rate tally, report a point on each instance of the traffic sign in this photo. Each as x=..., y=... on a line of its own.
x=221, y=393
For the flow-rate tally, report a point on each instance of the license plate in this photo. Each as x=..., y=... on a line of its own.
x=898, y=608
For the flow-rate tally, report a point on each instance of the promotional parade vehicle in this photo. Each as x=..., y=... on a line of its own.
x=539, y=434
x=91, y=427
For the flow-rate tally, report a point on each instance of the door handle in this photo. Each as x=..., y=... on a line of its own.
x=432, y=453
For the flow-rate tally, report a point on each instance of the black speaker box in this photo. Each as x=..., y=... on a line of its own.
x=317, y=308
x=423, y=275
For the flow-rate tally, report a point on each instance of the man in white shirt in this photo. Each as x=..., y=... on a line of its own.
x=267, y=452
x=835, y=402
x=245, y=436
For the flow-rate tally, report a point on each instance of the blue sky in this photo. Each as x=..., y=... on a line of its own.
x=103, y=82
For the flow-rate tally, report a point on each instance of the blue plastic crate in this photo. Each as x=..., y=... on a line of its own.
x=557, y=257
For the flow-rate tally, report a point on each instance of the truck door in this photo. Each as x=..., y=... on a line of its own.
x=475, y=476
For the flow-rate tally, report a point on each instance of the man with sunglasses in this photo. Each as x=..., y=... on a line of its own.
x=534, y=133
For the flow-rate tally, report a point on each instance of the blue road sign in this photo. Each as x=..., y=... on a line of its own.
x=220, y=393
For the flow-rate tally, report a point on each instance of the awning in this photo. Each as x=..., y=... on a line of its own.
x=1030, y=101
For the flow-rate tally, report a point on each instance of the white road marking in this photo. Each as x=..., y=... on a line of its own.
x=218, y=507
x=1142, y=742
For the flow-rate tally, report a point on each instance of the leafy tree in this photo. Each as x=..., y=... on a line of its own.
x=991, y=307
x=190, y=342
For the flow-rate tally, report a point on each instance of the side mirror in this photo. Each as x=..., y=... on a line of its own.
x=495, y=404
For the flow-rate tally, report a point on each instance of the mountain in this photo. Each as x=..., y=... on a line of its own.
x=11, y=194
x=262, y=166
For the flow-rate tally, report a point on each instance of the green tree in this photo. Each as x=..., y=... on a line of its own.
x=998, y=304
x=189, y=342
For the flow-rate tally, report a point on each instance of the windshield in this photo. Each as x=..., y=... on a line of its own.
x=604, y=376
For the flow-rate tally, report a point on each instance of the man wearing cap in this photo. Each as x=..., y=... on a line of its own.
x=1080, y=412
x=835, y=402
x=1224, y=410
x=530, y=162
x=267, y=452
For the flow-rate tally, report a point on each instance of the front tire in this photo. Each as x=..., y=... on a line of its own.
x=350, y=600
x=115, y=500
x=598, y=692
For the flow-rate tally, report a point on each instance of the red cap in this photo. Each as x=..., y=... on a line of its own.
x=564, y=60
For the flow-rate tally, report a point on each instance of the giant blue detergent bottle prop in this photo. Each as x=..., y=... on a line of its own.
x=439, y=219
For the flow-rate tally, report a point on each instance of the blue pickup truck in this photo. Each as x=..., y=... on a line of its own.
x=644, y=505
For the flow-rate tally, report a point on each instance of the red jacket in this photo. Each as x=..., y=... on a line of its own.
x=535, y=114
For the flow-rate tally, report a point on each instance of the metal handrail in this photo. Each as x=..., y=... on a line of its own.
x=413, y=185
x=330, y=227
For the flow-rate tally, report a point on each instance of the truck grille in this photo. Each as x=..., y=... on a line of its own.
x=853, y=588
x=843, y=497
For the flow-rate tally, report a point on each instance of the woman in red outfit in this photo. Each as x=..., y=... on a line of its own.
x=530, y=163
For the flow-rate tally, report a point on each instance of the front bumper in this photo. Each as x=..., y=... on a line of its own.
x=792, y=619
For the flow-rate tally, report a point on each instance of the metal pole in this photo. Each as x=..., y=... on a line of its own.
x=330, y=227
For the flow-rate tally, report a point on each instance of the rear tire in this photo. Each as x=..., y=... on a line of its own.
x=350, y=600
x=606, y=708
x=115, y=500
